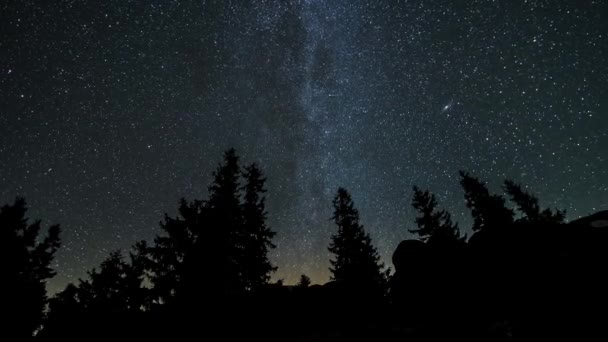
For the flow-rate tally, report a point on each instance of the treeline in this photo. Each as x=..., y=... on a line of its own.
x=208, y=274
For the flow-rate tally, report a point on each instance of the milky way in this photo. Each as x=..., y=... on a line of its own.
x=110, y=112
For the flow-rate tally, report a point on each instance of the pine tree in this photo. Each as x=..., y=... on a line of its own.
x=256, y=235
x=65, y=317
x=434, y=226
x=116, y=287
x=527, y=205
x=113, y=295
x=487, y=210
x=221, y=241
x=214, y=247
x=304, y=281
x=356, y=261
x=164, y=260
x=26, y=265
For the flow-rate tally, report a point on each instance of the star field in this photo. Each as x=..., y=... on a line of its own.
x=111, y=111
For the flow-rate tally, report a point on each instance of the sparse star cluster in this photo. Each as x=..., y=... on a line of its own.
x=111, y=111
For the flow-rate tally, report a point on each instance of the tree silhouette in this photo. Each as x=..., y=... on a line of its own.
x=210, y=271
x=434, y=226
x=222, y=240
x=257, y=236
x=66, y=316
x=304, y=281
x=527, y=205
x=487, y=210
x=356, y=262
x=113, y=296
x=26, y=265
x=166, y=257
x=214, y=249
x=116, y=287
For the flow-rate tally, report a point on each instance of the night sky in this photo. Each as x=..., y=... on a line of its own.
x=110, y=111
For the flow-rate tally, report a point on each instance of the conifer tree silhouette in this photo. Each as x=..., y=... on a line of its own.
x=215, y=247
x=304, y=281
x=113, y=295
x=434, y=226
x=221, y=242
x=25, y=261
x=165, y=258
x=487, y=210
x=256, y=236
x=527, y=205
x=116, y=287
x=65, y=317
x=356, y=263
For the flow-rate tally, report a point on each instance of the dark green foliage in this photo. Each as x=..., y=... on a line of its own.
x=356, y=261
x=25, y=261
x=488, y=211
x=434, y=225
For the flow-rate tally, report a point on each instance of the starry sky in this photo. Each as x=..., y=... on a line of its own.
x=110, y=111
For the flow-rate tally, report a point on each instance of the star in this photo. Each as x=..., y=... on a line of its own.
x=375, y=98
